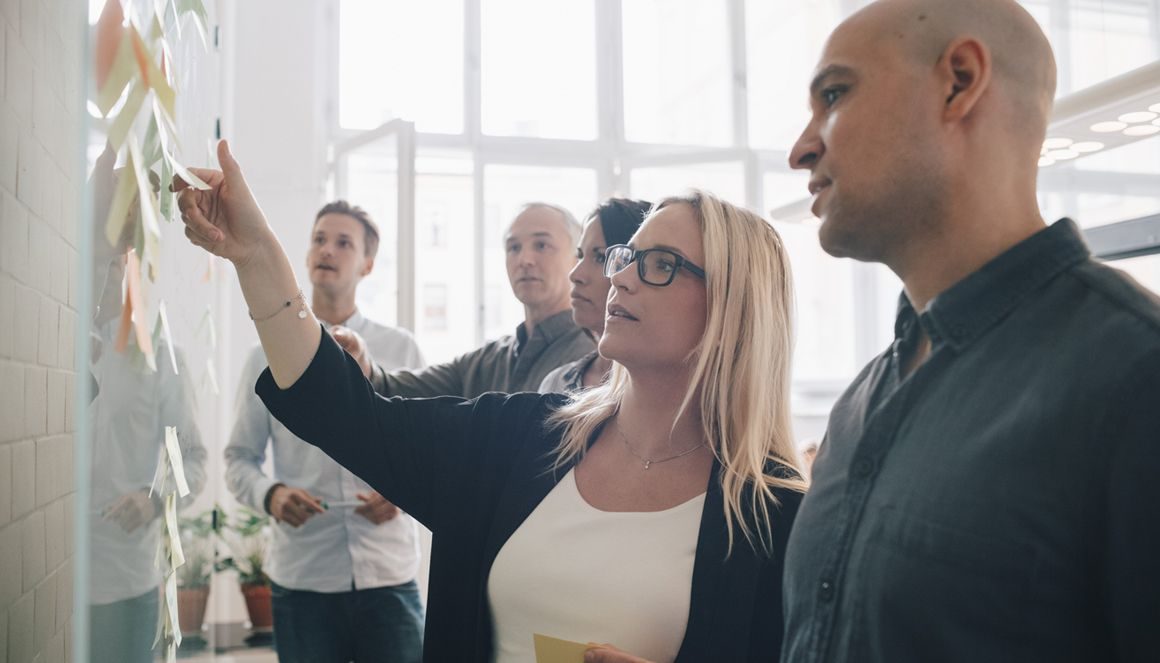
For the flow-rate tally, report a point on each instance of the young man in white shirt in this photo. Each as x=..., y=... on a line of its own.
x=343, y=560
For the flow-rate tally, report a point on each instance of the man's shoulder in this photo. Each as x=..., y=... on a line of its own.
x=1121, y=305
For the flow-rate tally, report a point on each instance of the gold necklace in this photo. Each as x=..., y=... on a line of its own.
x=649, y=461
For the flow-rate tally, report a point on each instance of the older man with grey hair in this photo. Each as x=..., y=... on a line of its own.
x=540, y=251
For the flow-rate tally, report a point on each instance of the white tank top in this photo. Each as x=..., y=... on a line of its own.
x=575, y=572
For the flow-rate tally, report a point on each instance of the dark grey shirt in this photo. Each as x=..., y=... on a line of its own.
x=510, y=364
x=1001, y=503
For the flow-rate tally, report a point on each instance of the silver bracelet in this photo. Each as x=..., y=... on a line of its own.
x=285, y=305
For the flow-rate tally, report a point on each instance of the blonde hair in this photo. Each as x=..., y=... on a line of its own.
x=741, y=368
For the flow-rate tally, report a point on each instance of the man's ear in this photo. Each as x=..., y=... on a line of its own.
x=966, y=70
x=368, y=266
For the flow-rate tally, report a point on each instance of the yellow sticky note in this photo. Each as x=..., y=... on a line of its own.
x=555, y=650
x=173, y=448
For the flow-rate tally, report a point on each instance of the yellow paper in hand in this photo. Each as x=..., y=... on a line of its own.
x=555, y=650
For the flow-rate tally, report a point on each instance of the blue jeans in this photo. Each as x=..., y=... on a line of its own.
x=123, y=631
x=363, y=625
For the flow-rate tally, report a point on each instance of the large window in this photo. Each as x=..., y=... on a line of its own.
x=380, y=46
x=675, y=53
x=539, y=68
x=573, y=101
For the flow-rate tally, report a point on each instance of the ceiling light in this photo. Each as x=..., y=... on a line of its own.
x=1155, y=108
x=1107, y=127
x=1063, y=155
x=1137, y=117
x=1141, y=130
x=1046, y=161
x=1058, y=143
x=1087, y=146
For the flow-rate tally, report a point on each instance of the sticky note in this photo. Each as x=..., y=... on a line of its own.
x=119, y=207
x=164, y=319
x=173, y=535
x=555, y=650
x=120, y=126
x=135, y=305
x=173, y=448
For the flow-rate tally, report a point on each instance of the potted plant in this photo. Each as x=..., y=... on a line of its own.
x=245, y=535
x=193, y=577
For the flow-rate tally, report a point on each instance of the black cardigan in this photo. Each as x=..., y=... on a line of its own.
x=472, y=470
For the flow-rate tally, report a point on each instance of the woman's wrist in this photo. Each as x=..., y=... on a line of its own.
x=262, y=256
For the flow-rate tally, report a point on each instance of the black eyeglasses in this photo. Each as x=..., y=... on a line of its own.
x=654, y=266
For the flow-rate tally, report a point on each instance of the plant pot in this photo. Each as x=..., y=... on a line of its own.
x=191, y=609
x=259, y=606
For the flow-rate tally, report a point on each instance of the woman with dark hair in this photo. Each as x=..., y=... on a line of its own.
x=613, y=222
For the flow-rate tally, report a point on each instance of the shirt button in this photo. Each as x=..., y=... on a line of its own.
x=862, y=468
x=826, y=591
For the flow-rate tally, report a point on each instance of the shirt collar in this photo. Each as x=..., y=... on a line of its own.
x=354, y=322
x=550, y=328
x=972, y=306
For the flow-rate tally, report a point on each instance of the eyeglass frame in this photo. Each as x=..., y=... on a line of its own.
x=637, y=255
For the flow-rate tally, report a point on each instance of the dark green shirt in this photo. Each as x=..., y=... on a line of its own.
x=510, y=364
x=1002, y=502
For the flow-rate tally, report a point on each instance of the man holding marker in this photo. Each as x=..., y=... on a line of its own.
x=343, y=560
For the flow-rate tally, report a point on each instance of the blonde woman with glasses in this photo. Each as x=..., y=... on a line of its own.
x=651, y=512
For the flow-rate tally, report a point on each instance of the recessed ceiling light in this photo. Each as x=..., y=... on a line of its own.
x=1062, y=155
x=1045, y=162
x=1136, y=118
x=1155, y=108
x=1056, y=143
x=1087, y=146
x=1156, y=122
x=1107, y=127
x=1142, y=130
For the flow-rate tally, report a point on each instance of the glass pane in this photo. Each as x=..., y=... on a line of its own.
x=784, y=39
x=1145, y=269
x=823, y=287
x=150, y=332
x=372, y=183
x=726, y=180
x=783, y=188
x=1105, y=187
x=887, y=288
x=539, y=68
x=401, y=59
x=445, y=306
x=1109, y=38
x=506, y=189
x=677, y=73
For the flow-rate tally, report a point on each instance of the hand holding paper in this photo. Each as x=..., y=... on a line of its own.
x=225, y=219
x=610, y=654
x=555, y=650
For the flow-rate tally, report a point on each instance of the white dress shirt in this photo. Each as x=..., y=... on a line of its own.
x=337, y=550
x=129, y=414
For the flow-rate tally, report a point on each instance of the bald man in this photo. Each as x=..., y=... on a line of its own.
x=989, y=487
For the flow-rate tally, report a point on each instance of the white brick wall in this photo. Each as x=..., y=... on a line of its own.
x=40, y=74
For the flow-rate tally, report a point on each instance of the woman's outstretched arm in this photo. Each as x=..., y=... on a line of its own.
x=226, y=221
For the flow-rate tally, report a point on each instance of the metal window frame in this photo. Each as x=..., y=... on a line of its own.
x=611, y=155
